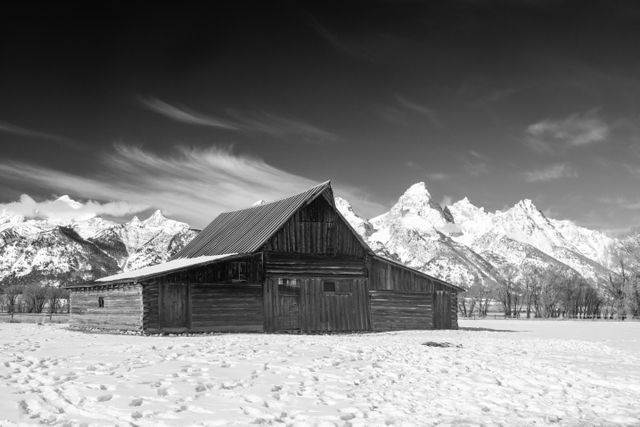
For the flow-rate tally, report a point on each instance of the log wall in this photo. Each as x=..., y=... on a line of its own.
x=226, y=307
x=216, y=299
x=122, y=309
x=404, y=299
x=395, y=310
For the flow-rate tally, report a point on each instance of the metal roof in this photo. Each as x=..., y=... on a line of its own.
x=246, y=230
x=164, y=268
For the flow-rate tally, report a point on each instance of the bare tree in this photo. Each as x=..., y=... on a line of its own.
x=11, y=293
x=509, y=290
x=35, y=297
x=55, y=298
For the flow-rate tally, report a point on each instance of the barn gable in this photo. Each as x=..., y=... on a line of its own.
x=311, y=214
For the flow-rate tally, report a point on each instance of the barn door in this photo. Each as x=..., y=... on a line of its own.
x=174, y=305
x=442, y=310
x=288, y=304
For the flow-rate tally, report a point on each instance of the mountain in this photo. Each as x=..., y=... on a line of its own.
x=54, y=251
x=461, y=243
x=465, y=244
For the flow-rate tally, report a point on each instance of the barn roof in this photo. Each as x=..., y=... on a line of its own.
x=246, y=230
x=164, y=268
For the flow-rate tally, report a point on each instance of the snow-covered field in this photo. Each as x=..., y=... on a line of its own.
x=494, y=373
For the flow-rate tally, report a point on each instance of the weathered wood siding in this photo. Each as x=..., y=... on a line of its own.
x=454, y=310
x=316, y=229
x=404, y=299
x=304, y=305
x=397, y=310
x=236, y=307
x=308, y=265
x=215, y=299
x=122, y=308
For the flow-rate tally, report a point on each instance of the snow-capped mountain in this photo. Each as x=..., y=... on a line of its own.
x=461, y=243
x=52, y=251
x=465, y=244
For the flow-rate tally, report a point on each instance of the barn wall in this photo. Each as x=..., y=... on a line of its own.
x=122, y=307
x=303, y=305
x=307, y=265
x=404, y=299
x=216, y=299
x=218, y=307
x=396, y=310
x=316, y=229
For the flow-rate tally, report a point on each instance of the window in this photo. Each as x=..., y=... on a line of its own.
x=238, y=272
x=100, y=302
x=287, y=282
x=329, y=286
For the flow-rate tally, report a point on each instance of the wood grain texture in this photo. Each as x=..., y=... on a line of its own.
x=346, y=309
x=316, y=229
x=122, y=308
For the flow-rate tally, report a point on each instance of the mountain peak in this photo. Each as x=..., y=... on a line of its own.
x=156, y=218
x=527, y=205
x=417, y=191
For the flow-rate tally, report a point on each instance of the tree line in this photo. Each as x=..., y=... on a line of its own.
x=26, y=295
x=554, y=292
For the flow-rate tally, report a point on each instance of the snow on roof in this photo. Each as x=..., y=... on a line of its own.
x=166, y=267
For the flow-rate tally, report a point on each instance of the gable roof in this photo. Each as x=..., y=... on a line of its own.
x=164, y=268
x=246, y=230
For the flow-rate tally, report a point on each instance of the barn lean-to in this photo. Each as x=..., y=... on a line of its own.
x=293, y=265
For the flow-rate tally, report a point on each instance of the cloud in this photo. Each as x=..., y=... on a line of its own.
x=278, y=126
x=190, y=184
x=185, y=115
x=248, y=122
x=446, y=201
x=437, y=176
x=30, y=133
x=431, y=176
x=576, y=130
x=551, y=173
x=336, y=42
x=621, y=202
x=423, y=110
x=474, y=163
x=64, y=209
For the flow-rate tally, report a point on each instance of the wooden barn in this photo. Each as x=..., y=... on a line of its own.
x=291, y=265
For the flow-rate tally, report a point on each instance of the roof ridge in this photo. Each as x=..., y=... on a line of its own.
x=245, y=230
x=327, y=182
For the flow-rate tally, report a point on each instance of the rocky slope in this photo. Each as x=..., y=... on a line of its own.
x=52, y=252
x=465, y=244
x=461, y=243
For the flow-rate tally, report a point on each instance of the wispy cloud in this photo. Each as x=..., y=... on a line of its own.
x=191, y=184
x=336, y=42
x=247, y=122
x=621, y=202
x=278, y=126
x=551, y=173
x=185, y=115
x=431, y=176
x=474, y=163
x=423, y=110
x=31, y=133
x=65, y=209
x=576, y=130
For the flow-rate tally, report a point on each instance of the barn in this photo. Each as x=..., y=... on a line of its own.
x=293, y=265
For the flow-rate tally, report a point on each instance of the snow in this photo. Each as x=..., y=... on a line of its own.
x=488, y=373
x=175, y=264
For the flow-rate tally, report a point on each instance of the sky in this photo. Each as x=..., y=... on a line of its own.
x=199, y=110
